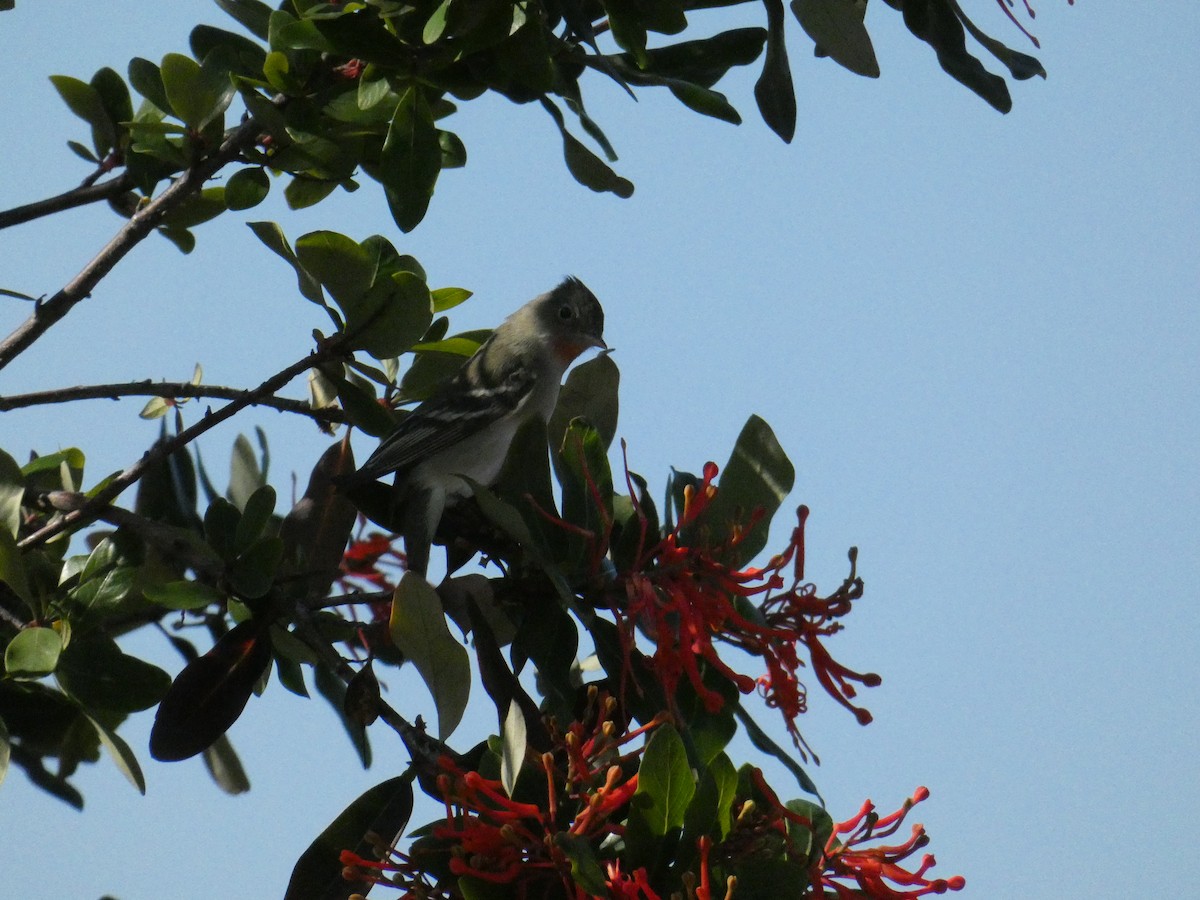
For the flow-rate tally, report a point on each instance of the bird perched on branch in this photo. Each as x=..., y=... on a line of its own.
x=465, y=429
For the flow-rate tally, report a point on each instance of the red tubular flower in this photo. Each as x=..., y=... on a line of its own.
x=686, y=599
x=877, y=872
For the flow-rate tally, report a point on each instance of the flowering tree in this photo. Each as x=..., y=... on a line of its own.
x=642, y=630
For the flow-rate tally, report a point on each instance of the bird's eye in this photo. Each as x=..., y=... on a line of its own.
x=565, y=312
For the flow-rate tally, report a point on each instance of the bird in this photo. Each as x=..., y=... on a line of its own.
x=463, y=431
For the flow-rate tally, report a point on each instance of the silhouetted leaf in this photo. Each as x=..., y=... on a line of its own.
x=836, y=27
x=773, y=91
x=382, y=810
x=210, y=693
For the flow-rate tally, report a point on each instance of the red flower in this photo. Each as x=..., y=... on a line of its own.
x=687, y=600
x=877, y=872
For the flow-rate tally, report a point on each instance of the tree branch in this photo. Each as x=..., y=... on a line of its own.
x=133, y=232
x=81, y=196
x=170, y=389
x=92, y=509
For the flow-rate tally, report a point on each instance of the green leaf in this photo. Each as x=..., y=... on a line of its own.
x=97, y=673
x=512, y=756
x=837, y=28
x=302, y=192
x=773, y=91
x=210, y=693
x=253, y=572
x=586, y=479
x=12, y=568
x=418, y=628
x=809, y=841
x=183, y=595
x=711, y=809
x=448, y=298
x=252, y=14
x=411, y=159
x=664, y=791
x=585, y=865
x=255, y=516
x=121, y=755
x=34, y=652
x=85, y=101
x=196, y=209
x=12, y=491
x=341, y=264
x=197, y=95
x=757, y=477
x=763, y=742
x=383, y=810
x=590, y=392
x=247, y=188
x=393, y=315
x=114, y=96
x=240, y=54
x=146, y=78
x=272, y=235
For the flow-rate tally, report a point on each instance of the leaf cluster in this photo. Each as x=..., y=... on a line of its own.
x=338, y=91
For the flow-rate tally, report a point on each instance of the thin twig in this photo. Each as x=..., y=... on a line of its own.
x=86, y=193
x=423, y=748
x=134, y=231
x=170, y=389
x=91, y=510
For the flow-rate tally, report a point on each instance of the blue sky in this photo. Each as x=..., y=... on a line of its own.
x=976, y=336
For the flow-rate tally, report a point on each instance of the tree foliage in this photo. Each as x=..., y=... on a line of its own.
x=616, y=780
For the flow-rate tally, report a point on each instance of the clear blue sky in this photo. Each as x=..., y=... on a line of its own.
x=976, y=335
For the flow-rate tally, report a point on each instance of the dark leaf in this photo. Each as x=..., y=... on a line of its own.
x=382, y=810
x=773, y=91
x=584, y=165
x=936, y=22
x=836, y=27
x=210, y=693
x=95, y=671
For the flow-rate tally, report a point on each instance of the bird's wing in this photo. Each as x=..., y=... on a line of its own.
x=446, y=419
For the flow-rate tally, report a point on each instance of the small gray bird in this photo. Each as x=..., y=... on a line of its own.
x=466, y=428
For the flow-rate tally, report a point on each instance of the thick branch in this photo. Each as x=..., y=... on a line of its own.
x=91, y=510
x=80, y=196
x=134, y=231
x=168, y=389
